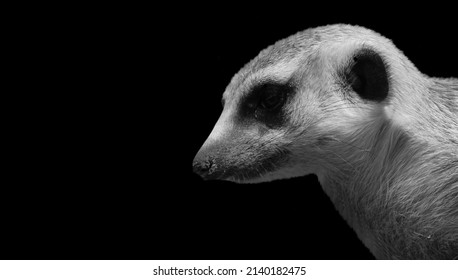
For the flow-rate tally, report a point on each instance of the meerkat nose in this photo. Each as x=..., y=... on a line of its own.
x=205, y=163
x=207, y=169
x=203, y=168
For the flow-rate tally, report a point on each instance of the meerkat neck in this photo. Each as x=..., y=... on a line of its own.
x=386, y=186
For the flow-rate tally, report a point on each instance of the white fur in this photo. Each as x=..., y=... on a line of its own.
x=389, y=167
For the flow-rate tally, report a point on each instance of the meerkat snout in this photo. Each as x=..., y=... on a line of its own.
x=342, y=102
x=207, y=164
x=246, y=143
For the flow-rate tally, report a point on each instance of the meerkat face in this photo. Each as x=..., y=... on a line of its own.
x=284, y=111
x=251, y=141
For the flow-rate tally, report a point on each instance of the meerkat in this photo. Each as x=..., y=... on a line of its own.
x=342, y=102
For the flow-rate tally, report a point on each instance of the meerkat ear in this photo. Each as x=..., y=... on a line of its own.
x=366, y=73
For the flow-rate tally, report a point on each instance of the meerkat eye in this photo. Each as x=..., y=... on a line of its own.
x=271, y=100
x=265, y=102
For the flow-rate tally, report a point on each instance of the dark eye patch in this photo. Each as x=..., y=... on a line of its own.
x=264, y=103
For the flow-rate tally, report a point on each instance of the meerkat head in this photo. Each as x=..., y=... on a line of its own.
x=289, y=111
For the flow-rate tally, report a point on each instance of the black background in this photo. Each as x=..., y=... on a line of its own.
x=114, y=180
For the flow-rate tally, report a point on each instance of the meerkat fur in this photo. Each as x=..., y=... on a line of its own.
x=381, y=136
